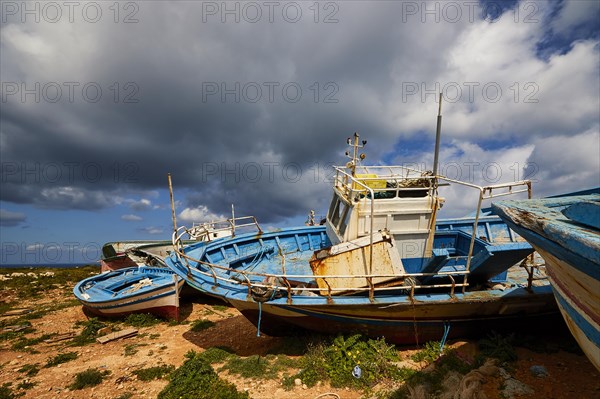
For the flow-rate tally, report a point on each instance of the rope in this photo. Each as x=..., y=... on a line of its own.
x=260, y=313
x=335, y=395
x=446, y=331
x=259, y=318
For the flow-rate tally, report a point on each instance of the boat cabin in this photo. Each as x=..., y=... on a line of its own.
x=367, y=199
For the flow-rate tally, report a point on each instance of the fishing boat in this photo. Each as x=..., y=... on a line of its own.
x=121, y=254
x=565, y=231
x=131, y=290
x=380, y=265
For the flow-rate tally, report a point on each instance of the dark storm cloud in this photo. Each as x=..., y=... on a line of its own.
x=79, y=154
x=179, y=94
x=11, y=219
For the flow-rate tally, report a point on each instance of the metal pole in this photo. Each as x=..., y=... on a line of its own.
x=232, y=221
x=472, y=244
x=437, y=138
x=172, y=204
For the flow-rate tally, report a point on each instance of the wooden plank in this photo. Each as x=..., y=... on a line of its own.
x=16, y=312
x=129, y=332
x=15, y=328
x=60, y=337
x=218, y=313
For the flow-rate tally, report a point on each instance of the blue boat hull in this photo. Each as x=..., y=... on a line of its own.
x=131, y=290
x=224, y=270
x=571, y=250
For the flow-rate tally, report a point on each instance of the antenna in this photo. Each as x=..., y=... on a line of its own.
x=355, y=157
x=438, y=133
x=172, y=203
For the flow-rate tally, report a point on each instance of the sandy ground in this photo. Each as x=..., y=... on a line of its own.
x=570, y=375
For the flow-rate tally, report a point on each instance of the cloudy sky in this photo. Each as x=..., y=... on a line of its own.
x=250, y=103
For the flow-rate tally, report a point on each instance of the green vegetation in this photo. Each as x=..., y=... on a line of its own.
x=6, y=392
x=25, y=287
x=142, y=320
x=89, y=333
x=200, y=325
x=132, y=349
x=429, y=353
x=250, y=367
x=30, y=369
x=196, y=379
x=61, y=358
x=216, y=354
x=26, y=344
x=154, y=373
x=348, y=362
x=220, y=308
x=10, y=335
x=88, y=378
x=126, y=395
x=498, y=347
x=25, y=385
x=431, y=379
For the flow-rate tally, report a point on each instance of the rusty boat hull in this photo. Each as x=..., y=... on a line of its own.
x=566, y=233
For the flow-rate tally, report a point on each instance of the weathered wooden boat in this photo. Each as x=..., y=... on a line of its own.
x=131, y=290
x=381, y=264
x=121, y=254
x=565, y=231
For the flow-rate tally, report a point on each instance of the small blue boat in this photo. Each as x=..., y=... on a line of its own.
x=381, y=265
x=566, y=233
x=131, y=290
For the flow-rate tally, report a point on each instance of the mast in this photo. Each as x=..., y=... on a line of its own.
x=355, y=157
x=438, y=133
x=172, y=204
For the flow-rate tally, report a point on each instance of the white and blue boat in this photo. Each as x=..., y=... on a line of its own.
x=381, y=264
x=121, y=254
x=131, y=290
x=565, y=231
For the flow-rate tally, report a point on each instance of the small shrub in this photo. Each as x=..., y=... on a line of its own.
x=142, y=320
x=30, y=370
x=220, y=308
x=132, y=349
x=6, y=391
x=25, y=344
x=10, y=335
x=249, y=367
x=312, y=365
x=25, y=385
x=216, y=354
x=429, y=353
x=338, y=360
x=371, y=356
x=89, y=333
x=196, y=379
x=126, y=395
x=88, y=378
x=200, y=325
x=432, y=380
x=61, y=358
x=498, y=347
x=153, y=373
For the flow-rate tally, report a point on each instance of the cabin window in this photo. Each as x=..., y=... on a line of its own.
x=339, y=214
x=344, y=219
x=334, y=210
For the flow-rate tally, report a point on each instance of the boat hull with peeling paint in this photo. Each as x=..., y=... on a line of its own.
x=566, y=233
x=131, y=290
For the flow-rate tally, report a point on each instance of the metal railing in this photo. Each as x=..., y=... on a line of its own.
x=201, y=231
x=351, y=186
